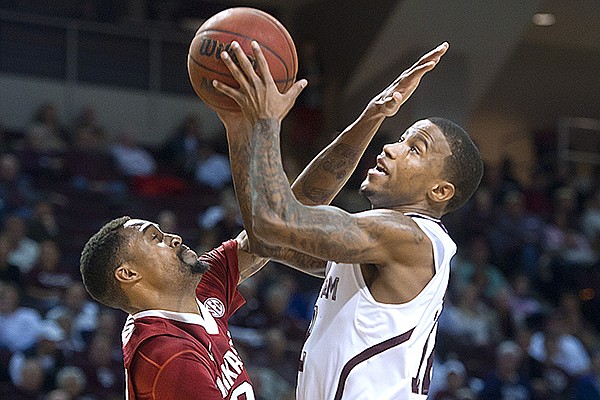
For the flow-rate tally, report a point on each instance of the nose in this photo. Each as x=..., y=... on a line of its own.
x=388, y=150
x=174, y=240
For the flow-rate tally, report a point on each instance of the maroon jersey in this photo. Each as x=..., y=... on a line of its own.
x=170, y=355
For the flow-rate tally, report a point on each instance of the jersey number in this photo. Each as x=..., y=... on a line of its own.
x=243, y=392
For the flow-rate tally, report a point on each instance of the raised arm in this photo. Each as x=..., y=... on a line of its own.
x=281, y=218
x=325, y=175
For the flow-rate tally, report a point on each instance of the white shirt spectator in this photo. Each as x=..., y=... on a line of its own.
x=571, y=355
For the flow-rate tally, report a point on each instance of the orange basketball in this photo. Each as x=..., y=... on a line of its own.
x=243, y=25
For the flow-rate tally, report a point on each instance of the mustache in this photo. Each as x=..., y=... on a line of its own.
x=197, y=265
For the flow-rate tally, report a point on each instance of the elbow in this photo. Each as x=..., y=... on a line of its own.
x=267, y=229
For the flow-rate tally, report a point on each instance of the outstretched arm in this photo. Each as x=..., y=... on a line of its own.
x=274, y=206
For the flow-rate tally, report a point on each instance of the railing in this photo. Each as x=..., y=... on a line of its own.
x=149, y=56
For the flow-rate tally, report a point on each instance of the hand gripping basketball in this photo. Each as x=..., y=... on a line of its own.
x=258, y=96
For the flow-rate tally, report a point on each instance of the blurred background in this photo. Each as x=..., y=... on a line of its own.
x=98, y=120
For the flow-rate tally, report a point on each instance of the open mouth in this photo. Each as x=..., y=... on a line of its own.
x=379, y=169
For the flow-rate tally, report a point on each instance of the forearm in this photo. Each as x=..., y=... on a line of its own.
x=271, y=195
x=329, y=171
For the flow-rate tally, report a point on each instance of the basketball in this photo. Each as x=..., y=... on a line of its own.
x=243, y=25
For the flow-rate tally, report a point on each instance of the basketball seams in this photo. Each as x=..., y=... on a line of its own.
x=199, y=64
x=287, y=72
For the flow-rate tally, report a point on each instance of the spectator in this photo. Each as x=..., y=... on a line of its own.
x=19, y=326
x=516, y=236
x=9, y=273
x=46, y=132
x=47, y=116
x=456, y=385
x=16, y=193
x=224, y=218
x=470, y=321
x=72, y=380
x=478, y=270
x=522, y=302
x=506, y=382
x=565, y=244
x=87, y=132
x=575, y=322
x=48, y=280
x=131, y=158
x=181, y=149
x=46, y=351
x=28, y=384
x=554, y=345
x=588, y=386
x=104, y=375
x=212, y=168
x=83, y=313
x=24, y=251
x=43, y=224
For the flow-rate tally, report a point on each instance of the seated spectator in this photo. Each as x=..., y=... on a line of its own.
x=82, y=311
x=470, y=320
x=516, y=236
x=16, y=193
x=522, y=302
x=224, y=218
x=456, y=383
x=506, y=382
x=565, y=244
x=87, y=132
x=104, y=374
x=47, y=116
x=212, y=168
x=41, y=139
x=49, y=279
x=28, y=384
x=24, y=251
x=554, y=345
x=9, y=273
x=131, y=158
x=575, y=322
x=43, y=224
x=72, y=380
x=46, y=351
x=588, y=386
x=46, y=129
x=19, y=326
x=477, y=269
x=180, y=150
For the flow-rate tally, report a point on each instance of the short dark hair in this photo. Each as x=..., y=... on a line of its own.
x=464, y=167
x=100, y=257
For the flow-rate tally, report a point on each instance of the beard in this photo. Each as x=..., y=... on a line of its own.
x=190, y=262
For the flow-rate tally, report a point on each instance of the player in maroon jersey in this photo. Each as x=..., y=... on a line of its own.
x=176, y=343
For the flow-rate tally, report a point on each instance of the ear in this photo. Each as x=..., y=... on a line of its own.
x=442, y=192
x=126, y=274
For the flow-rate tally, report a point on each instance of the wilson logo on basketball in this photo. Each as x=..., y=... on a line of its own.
x=215, y=307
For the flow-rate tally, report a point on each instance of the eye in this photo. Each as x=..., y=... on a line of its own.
x=414, y=149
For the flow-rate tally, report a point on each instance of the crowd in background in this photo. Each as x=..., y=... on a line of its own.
x=520, y=318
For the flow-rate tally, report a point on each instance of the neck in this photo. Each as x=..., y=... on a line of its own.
x=417, y=209
x=175, y=302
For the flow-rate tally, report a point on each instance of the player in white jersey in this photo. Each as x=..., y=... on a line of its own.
x=374, y=328
x=359, y=348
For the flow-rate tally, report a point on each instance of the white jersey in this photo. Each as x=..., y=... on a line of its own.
x=360, y=349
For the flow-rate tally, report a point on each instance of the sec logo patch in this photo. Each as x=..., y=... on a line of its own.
x=215, y=307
